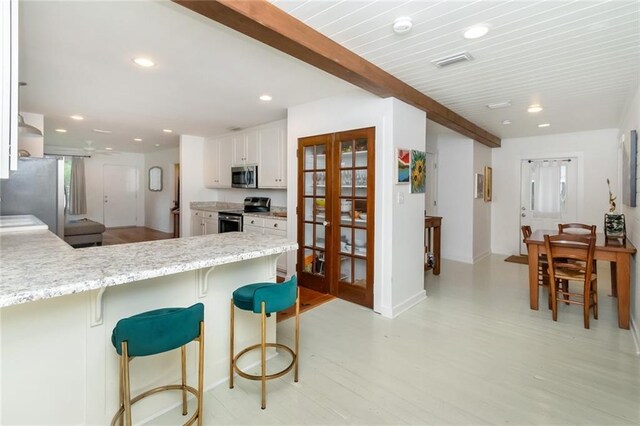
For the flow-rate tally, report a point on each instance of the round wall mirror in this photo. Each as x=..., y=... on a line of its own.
x=155, y=178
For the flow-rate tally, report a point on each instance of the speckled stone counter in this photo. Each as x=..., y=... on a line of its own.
x=38, y=265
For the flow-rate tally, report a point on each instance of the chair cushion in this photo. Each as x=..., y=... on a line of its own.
x=158, y=331
x=276, y=296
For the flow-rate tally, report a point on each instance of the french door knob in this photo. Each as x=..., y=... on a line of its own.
x=325, y=223
x=523, y=215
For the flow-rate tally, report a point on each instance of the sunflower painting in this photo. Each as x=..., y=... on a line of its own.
x=418, y=177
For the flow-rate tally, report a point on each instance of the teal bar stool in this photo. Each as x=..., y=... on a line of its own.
x=265, y=299
x=154, y=332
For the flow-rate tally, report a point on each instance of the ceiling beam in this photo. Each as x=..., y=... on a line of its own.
x=266, y=23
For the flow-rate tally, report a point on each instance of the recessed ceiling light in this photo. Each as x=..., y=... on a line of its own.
x=167, y=130
x=534, y=108
x=77, y=117
x=402, y=25
x=544, y=125
x=505, y=122
x=61, y=130
x=137, y=139
x=108, y=148
x=157, y=144
x=106, y=132
x=265, y=98
x=144, y=62
x=476, y=31
x=497, y=105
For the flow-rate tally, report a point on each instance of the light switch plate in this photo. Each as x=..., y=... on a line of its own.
x=400, y=197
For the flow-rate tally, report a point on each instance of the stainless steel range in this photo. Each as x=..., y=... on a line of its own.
x=231, y=220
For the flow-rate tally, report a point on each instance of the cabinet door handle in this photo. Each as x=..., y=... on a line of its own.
x=253, y=221
x=275, y=225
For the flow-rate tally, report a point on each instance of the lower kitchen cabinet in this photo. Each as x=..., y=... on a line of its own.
x=268, y=226
x=203, y=222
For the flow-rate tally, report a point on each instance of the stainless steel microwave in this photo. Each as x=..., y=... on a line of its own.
x=244, y=176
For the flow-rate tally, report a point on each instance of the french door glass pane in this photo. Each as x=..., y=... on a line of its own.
x=308, y=209
x=308, y=158
x=346, y=154
x=308, y=183
x=361, y=153
x=346, y=243
x=345, y=269
x=360, y=242
x=360, y=272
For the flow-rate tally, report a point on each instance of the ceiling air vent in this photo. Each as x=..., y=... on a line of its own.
x=452, y=59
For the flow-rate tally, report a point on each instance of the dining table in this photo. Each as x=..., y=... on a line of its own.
x=617, y=251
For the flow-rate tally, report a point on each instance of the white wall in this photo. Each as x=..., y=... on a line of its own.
x=455, y=196
x=159, y=204
x=597, y=156
x=94, y=183
x=409, y=131
x=481, y=208
x=631, y=121
x=360, y=110
x=33, y=144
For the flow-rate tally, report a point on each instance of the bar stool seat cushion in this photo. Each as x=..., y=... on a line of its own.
x=277, y=297
x=158, y=331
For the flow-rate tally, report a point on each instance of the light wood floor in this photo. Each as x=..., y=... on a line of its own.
x=132, y=234
x=472, y=353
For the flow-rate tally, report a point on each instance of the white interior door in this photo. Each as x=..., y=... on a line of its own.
x=120, y=196
x=548, y=194
x=431, y=185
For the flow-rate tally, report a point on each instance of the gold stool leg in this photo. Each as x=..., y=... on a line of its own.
x=297, y=342
x=183, y=356
x=263, y=350
x=231, y=338
x=121, y=386
x=127, y=387
x=201, y=373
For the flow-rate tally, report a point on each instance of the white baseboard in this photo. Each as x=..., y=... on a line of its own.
x=457, y=259
x=636, y=335
x=481, y=256
x=409, y=303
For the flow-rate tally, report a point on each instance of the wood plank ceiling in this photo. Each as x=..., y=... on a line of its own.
x=268, y=24
x=579, y=59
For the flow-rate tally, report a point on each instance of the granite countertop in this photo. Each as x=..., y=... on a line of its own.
x=221, y=206
x=38, y=265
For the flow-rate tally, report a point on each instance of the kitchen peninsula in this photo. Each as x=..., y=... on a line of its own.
x=59, y=305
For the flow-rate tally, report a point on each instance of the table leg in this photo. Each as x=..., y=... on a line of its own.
x=532, y=249
x=614, y=280
x=436, y=250
x=623, y=284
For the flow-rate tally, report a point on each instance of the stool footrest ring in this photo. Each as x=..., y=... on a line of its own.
x=153, y=391
x=269, y=376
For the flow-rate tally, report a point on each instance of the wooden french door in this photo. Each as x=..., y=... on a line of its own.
x=336, y=214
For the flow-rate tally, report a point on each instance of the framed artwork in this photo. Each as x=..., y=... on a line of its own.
x=629, y=169
x=479, y=193
x=488, y=184
x=403, y=166
x=418, y=172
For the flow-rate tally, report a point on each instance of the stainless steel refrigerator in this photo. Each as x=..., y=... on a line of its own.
x=36, y=188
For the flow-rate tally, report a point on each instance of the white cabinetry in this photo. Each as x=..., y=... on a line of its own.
x=217, y=162
x=203, y=222
x=268, y=226
x=245, y=148
x=8, y=87
x=272, y=168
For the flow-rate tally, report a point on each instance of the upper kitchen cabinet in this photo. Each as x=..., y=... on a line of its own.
x=217, y=162
x=245, y=148
x=272, y=167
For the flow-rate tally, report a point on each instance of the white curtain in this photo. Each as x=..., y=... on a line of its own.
x=547, y=188
x=77, y=188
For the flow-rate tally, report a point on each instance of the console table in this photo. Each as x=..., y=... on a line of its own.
x=432, y=242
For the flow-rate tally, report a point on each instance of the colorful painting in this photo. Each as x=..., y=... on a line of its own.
x=403, y=161
x=418, y=172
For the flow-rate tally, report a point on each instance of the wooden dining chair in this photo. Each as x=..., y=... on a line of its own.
x=543, y=277
x=577, y=228
x=570, y=258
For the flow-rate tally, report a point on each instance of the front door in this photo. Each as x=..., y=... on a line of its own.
x=548, y=194
x=120, y=199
